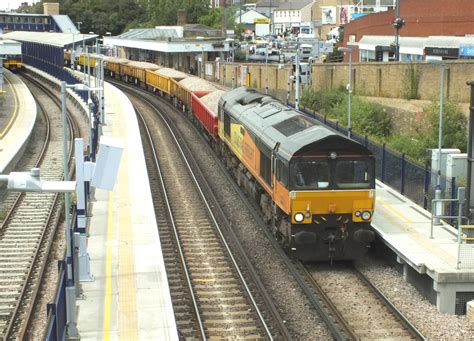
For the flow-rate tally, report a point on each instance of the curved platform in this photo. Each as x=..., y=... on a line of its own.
x=129, y=298
x=17, y=119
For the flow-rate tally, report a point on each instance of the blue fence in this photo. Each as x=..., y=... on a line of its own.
x=394, y=169
x=57, y=316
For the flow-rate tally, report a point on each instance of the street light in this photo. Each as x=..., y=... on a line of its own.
x=442, y=65
x=72, y=52
x=349, y=88
x=266, y=69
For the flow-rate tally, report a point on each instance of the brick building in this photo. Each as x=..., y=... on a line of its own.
x=422, y=19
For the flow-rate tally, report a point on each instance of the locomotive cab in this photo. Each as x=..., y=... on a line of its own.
x=331, y=205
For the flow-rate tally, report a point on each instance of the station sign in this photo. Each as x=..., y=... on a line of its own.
x=442, y=51
x=261, y=21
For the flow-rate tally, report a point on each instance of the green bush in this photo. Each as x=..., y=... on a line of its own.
x=414, y=148
x=322, y=101
x=240, y=55
x=454, y=134
x=367, y=118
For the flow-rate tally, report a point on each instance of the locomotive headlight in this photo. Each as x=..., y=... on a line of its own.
x=299, y=217
x=366, y=215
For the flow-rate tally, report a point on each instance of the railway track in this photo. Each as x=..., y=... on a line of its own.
x=360, y=307
x=211, y=294
x=27, y=232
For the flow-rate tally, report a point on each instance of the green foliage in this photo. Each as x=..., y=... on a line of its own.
x=411, y=82
x=240, y=55
x=323, y=101
x=412, y=147
x=454, y=134
x=117, y=16
x=217, y=17
x=367, y=118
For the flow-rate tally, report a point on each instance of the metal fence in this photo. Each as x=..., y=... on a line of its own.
x=412, y=180
x=56, y=311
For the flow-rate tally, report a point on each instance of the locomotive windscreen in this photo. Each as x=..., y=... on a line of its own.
x=317, y=174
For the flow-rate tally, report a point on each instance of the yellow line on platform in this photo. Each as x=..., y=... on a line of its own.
x=128, y=312
x=15, y=112
x=108, y=269
x=395, y=211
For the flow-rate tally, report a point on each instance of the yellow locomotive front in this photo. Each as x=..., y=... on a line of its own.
x=331, y=204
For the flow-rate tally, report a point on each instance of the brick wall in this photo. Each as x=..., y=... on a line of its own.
x=369, y=79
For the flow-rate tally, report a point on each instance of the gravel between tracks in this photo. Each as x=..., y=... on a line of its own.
x=420, y=312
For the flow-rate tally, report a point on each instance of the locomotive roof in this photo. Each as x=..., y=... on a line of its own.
x=271, y=122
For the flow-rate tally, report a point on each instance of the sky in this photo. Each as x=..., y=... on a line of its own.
x=13, y=4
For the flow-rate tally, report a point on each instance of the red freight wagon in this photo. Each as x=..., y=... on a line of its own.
x=206, y=116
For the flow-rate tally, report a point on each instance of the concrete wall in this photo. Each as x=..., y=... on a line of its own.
x=369, y=79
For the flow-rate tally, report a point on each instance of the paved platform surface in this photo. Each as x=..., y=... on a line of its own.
x=406, y=229
x=17, y=119
x=129, y=298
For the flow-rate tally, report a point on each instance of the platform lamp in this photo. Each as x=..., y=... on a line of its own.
x=266, y=69
x=73, y=55
x=442, y=65
x=79, y=23
x=349, y=88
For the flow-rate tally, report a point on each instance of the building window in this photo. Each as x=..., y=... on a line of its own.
x=352, y=38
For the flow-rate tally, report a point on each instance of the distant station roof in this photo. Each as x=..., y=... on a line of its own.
x=190, y=38
x=47, y=38
x=65, y=23
x=187, y=31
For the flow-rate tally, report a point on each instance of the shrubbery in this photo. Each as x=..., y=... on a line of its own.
x=368, y=118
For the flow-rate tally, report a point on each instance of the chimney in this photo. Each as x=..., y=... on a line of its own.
x=181, y=17
x=51, y=8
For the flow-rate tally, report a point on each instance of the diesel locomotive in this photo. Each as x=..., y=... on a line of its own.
x=316, y=188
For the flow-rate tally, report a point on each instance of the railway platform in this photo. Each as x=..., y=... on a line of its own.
x=439, y=267
x=129, y=297
x=17, y=119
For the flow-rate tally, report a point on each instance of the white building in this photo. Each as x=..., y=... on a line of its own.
x=289, y=16
x=254, y=23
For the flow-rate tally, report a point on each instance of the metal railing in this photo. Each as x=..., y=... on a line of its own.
x=465, y=233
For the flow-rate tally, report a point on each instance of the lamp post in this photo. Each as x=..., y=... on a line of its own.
x=266, y=69
x=202, y=61
x=440, y=136
x=349, y=88
x=72, y=52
